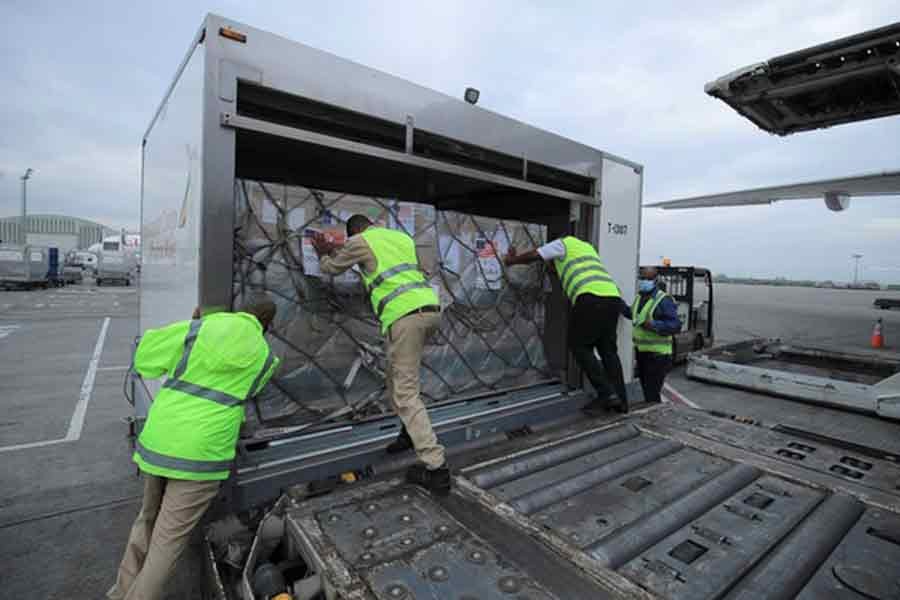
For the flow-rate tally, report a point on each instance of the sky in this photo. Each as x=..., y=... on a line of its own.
x=81, y=81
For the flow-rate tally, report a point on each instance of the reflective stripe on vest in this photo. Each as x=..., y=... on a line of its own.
x=398, y=286
x=200, y=391
x=270, y=358
x=400, y=290
x=582, y=271
x=594, y=266
x=644, y=339
x=391, y=272
x=189, y=340
x=181, y=464
x=185, y=387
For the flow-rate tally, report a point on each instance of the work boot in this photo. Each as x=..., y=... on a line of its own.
x=596, y=407
x=437, y=481
x=401, y=444
x=619, y=407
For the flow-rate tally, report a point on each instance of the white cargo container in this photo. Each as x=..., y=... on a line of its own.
x=115, y=263
x=24, y=266
x=260, y=140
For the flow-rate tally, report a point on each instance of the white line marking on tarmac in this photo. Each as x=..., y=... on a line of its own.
x=31, y=445
x=116, y=368
x=84, y=398
x=5, y=330
x=87, y=387
x=677, y=397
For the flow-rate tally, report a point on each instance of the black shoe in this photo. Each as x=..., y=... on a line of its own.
x=401, y=444
x=620, y=407
x=595, y=407
x=436, y=481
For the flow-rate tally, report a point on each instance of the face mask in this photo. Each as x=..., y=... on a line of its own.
x=646, y=286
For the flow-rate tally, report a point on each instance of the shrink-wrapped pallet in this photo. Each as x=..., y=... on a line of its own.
x=325, y=331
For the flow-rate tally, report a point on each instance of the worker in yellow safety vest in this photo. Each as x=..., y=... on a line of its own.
x=654, y=318
x=596, y=308
x=408, y=311
x=213, y=365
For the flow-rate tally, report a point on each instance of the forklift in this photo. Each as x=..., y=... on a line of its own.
x=692, y=290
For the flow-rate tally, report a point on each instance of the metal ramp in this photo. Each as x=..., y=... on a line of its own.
x=854, y=381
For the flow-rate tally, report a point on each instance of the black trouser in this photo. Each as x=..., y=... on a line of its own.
x=652, y=369
x=593, y=325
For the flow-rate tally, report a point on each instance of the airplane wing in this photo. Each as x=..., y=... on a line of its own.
x=836, y=192
x=842, y=81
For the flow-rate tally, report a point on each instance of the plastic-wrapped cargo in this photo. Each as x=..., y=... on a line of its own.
x=325, y=332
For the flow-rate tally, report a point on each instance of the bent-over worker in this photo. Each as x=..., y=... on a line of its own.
x=409, y=312
x=214, y=364
x=654, y=319
x=596, y=307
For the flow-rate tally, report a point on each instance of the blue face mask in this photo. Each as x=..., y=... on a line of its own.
x=645, y=286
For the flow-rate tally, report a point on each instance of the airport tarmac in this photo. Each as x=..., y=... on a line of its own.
x=69, y=492
x=68, y=489
x=828, y=318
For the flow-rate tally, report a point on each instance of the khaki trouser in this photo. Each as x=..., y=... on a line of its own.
x=406, y=341
x=171, y=510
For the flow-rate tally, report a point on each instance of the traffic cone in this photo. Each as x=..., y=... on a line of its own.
x=877, y=335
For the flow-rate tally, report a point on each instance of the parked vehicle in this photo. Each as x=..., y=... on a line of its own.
x=692, y=290
x=115, y=263
x=88, y=260
x=72, y=274
x=886, y=303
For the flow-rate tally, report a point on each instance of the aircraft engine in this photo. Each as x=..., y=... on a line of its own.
x=837, y=201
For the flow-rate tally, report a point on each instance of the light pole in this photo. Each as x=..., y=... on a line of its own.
x=856, y=258
x=23, y=233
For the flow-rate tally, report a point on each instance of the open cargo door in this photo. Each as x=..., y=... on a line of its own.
x=851, y=79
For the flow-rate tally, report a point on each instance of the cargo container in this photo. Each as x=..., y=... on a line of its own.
x=115, y=263
x=250, y=153
x=24, y=266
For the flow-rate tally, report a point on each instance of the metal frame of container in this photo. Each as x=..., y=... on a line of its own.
x=392, y=137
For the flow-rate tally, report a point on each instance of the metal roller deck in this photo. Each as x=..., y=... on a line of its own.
x=669, y=503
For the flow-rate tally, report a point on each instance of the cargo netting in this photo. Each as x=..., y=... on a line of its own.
x=325, y=332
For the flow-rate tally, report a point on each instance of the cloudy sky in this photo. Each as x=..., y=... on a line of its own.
x=81, y=80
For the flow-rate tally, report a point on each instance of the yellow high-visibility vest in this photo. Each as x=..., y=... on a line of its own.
x=398, y=286
x=582, y=272
x=213, y=365
x=644, y=339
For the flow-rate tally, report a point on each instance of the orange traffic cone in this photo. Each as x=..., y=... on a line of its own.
x=877, y=335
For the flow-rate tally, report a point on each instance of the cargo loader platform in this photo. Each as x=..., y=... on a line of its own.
x=668, y=503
